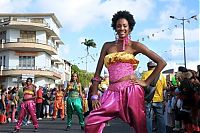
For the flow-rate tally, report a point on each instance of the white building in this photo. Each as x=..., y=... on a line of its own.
x=29, y=48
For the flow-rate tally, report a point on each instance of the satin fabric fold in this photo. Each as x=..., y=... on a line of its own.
x=127, y=104
x=27, y=107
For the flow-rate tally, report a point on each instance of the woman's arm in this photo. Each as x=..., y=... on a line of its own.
x=80, y=91
x=34, y=90
x=99, y=69
x=96, y=79
x=67, y=89
x=140, y=48
x=3, y=101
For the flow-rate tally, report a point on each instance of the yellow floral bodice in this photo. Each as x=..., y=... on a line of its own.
x=70, y=87
x=30, y=92
x=122, y=57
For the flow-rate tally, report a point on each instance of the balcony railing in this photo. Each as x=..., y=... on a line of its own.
x=31, y=20
x=25, y=40
x=31, y=68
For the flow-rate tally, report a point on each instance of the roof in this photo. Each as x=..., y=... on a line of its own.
x=32, y=15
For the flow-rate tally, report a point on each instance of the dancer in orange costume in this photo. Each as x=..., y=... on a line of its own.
x=59, y=103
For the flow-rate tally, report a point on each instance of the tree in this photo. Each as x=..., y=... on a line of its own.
x=88, y=43
x=75, y=69
x=84, y=78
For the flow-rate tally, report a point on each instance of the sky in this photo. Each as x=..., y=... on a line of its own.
x=91, y=19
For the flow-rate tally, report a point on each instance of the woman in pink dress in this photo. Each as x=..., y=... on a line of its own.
x=124, y=97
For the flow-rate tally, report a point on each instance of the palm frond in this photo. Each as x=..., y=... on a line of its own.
x=89, y=43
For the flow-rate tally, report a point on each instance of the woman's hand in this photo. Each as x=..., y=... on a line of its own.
x=95, y=104
x=135, y=80
x=139, y=82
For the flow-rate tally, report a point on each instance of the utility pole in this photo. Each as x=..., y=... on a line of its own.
x=183, y=23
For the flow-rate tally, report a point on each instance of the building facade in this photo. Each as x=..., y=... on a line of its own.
x=29, y=46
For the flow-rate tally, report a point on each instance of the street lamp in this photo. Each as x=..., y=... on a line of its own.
x=183, y=22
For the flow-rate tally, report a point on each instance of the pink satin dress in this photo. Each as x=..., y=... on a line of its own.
x=122, y=99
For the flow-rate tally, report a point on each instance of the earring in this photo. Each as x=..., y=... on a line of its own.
x=129, y=36
x=116, y=37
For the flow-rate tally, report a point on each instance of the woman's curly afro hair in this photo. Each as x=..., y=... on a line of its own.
x=123, y=14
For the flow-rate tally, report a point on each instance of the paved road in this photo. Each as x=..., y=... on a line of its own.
x=58, y=126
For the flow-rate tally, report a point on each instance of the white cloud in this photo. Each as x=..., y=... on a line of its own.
x=172, y=8
x=76, y=14
x=158, y=34
x=176, y=53
x=63, y=51
x=136, y=7
x=73, y=14
x=82, y=39
x=14, y=6
x=189, y=64
x=191, y=35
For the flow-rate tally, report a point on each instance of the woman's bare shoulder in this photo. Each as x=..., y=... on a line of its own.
x=109, y=43
x=106, y=47
x=137, y=45
x=69, y=83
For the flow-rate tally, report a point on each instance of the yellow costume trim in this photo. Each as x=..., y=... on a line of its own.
x=123, y=57
x=59, y=94
x=30, y=92
x=70, y=87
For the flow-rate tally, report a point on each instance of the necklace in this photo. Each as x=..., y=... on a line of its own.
x=125, y=42
x=75, y=85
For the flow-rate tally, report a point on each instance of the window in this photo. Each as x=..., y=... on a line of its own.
x=37, y=20
x=27, y=36
x=14, y=19
x=3, y=61
x=2, y=36
x=26, y=62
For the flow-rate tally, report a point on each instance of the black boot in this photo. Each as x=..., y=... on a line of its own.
x=35, y=130
x=68, y=128
x=83, y=128
x=15, y=131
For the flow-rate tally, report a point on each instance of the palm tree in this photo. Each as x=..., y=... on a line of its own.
x=89, y=43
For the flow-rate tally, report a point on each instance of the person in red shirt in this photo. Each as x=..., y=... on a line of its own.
x=39, y=101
